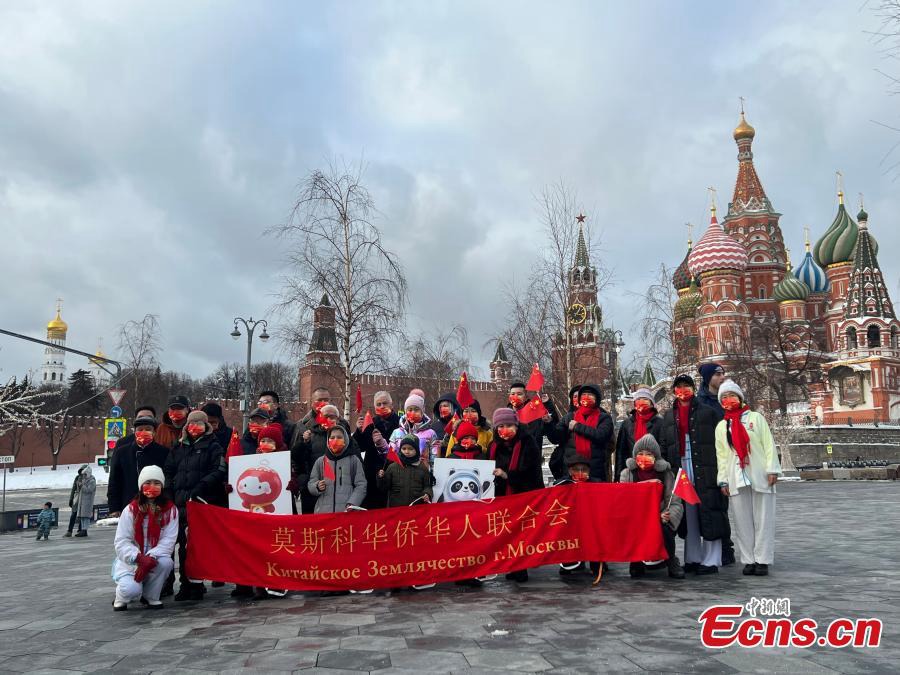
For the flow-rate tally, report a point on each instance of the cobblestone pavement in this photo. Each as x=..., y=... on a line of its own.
x=838, y=554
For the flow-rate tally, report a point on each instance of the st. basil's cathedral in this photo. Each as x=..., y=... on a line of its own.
x=827, y=325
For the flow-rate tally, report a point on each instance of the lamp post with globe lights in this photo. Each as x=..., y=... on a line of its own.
x=250, y=326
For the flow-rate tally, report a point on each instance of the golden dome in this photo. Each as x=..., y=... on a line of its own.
x=57, y=327
x=743, y=130
x=99, y=353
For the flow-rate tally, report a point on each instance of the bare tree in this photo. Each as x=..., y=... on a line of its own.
x=140, y=344
x=785, y=431
x=20, y=405
x=655, y=321
x=57, y=423
x=436, y=358
x=336, y=248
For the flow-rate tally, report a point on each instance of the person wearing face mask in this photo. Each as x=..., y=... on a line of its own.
x=86, y=500
x=373, y=445
x=689, y=443
x=646, y=464
x=305, y=454
x=472, y=415
x=466, y=442
x=321, y=397
x=259, y=420
x=409, y=481
x=337, y=479
x=417, y=423
x=557, y=462
x=586, y=433
x=129, y=459
x=539, y=428
x=195, y=469
x=748, y=469
x=712, y=376
x=642, y=419
x=446, y=412
x=217, y=421
x=145, y=539
x=515, y=456
x=169, y=431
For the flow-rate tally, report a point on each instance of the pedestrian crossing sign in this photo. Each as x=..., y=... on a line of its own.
x=114, y=428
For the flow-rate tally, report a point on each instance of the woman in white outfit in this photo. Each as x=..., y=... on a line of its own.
x=145, y=539
x=748, y=470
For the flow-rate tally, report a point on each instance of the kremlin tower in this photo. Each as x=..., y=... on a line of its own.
x=53, y=371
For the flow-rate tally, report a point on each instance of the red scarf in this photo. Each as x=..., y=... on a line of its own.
x=513, y=462
x=589, y=417
x=156, y=519
x=462, y=454
x=740, y=439
x=682, y=422
x=640, y=422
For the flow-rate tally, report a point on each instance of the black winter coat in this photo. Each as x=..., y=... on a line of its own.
x=372, y=459
x=713, y=504
x=601, y=444
x=195, y=469
x=625, y=440
x=125, y=466
x=523, y=478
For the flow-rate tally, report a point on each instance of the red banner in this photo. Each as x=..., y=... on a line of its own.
x=429, y=543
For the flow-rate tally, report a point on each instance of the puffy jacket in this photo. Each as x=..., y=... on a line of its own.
x=125, y=466
x=625, y=440
x=195, y=468
x=600, y=437
x=306, y=453
x=405, y=484
x=523, y=478
x=665, y=476
x=702, y=421
x=429, y=441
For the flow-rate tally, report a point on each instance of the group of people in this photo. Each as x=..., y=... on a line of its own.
x=725, y=450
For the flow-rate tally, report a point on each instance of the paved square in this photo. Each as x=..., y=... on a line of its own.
x=837, y=554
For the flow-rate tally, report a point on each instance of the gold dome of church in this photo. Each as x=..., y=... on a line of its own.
x=743, y=130
x=57, y=327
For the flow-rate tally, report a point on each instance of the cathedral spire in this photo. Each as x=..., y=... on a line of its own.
x=748, y=190
x=867, y=295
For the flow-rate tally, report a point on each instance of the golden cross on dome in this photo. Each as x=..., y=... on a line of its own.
x=742, y=104
x=712, y=198
x=806, y=236
x=690, y=228
x=861, y=201
x=580, y=217
x=59, y=302
x=839, y=178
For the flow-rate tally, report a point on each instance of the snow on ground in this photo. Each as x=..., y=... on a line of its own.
x=44, y=478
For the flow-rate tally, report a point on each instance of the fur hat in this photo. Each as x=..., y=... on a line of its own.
x=151, y=472
x=504, y=416
x=196, y=417
x=643, y=392
x=414, y=401
x=465, y=429
x=730, y=387
x=646, y=443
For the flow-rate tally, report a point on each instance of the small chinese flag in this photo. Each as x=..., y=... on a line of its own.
x=684, y=489
x=392, y=455
x=367, y=421
x=358, y=399
x=449, y=427
x=531, y=411
x=234, y=446
x=463, y=393
x=536, y=381
x=327, y=469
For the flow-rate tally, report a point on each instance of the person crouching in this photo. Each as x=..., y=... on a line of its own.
x=646, y=463
x=145, y=540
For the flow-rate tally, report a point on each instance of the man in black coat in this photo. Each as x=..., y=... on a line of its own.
x=372, y=442
x=269, y=401
x=131, y=455
x=689, y=443
x=195, y=469
x=587, y=424
x=644, y=410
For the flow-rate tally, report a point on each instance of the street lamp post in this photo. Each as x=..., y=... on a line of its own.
x=250, y=326
x=617, y=345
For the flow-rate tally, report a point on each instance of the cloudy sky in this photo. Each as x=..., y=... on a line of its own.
x=145, y=146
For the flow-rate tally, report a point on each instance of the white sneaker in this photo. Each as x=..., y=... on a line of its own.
x=119, y=606
x=423, y=587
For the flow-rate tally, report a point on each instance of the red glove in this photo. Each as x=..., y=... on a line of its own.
x=145, y=563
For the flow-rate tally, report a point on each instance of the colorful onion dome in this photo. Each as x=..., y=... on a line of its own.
x=790, y=288
x=811, y=274
x=716, y=250
x=681, y=279
x=743, y=130
x=687, y=304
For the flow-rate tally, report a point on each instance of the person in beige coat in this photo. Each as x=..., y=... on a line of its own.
x=748, y=469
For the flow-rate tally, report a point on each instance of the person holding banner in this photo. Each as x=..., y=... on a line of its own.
x=145, y=539
x=337, y=478
x=587, y=433
x=643, y=419
x=515, y=454
x=748, y=471
x=409, y=481
x=688, y=441
x=646, y=463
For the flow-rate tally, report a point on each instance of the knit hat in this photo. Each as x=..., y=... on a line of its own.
x=414, y=400
x=707, y=370
x=504, y=416
x=151, y=472
x=643, y=392
x=465, y=429
x=683, y=380
x=647, y=443
x=213, y=410
x=144, y=420
x=196, y=417
x=274, y=432
x=730, y=387
x=411, y=440
x=330, y=410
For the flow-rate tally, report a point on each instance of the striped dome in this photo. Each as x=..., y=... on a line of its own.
x=681, y=279
x=812, y=275
x=687, y=304
x=716, y=251
x=838, y=243
x=790, y=288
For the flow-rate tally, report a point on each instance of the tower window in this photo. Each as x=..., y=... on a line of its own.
x=873, y=336
x=851, y=338
x=762, y=292
x=52, y=376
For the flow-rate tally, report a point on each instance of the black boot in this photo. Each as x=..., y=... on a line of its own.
x=197, y=591
x=761, y=570
x=184, y=592
x=242, y=591
x=636, y=570
x=521, y=576
x=691, y=567
x=707, y=569
x=675, y=570
x=750, y=570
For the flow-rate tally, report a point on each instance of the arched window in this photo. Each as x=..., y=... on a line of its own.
x=851, y=338
x=895, y=337
x=873, y=336
x=52, y=376
x=762, y=292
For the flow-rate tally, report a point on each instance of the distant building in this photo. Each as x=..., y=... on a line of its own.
x=53, y=371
